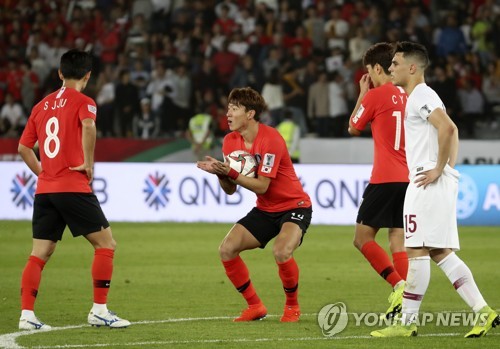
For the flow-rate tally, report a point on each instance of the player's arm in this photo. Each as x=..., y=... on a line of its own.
x=29, y=157
x=258, y=185
x=364, y=86
x=88, y=145
x=447, y=143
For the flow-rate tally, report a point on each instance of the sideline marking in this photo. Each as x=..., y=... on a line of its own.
x=8, y=340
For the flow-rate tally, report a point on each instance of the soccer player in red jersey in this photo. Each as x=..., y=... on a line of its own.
x=382, y=206
x=63, y=124
x=283, y=210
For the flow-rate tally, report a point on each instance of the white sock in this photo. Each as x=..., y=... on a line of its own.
x=417, y=281
x=28, y=314
x=461, y=277
x=99, y=308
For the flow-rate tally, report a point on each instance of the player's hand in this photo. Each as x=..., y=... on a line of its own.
x=427, y=177
x=208, y=164
x=85, y=168
x=364, y=84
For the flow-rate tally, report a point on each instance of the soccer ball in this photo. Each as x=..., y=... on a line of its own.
x=243, y=162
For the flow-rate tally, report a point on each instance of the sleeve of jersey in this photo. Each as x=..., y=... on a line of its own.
x=428, y=104
x=272, y=152
x=365, y=112
x=29, y=137
x=88, y=110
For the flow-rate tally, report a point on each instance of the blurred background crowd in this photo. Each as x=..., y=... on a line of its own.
x=160, y=62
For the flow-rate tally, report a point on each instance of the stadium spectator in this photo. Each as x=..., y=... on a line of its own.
x=145, y=125
x=12, y=119
x=179, y=32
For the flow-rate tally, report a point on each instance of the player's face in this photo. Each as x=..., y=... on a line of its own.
x=399, y=70
x=237, y=117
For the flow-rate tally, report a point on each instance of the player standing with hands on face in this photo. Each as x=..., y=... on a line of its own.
x=283, y=209
x=430, y=204
x=63, y=124
x=382, y=206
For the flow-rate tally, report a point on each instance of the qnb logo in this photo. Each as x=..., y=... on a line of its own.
x=332, y=319
x=467, y=197
x=23, y=188
x=157, y=190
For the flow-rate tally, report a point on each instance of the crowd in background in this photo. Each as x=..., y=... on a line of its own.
x=159, y=62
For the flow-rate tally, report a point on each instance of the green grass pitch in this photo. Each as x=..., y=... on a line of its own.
x=168, y=280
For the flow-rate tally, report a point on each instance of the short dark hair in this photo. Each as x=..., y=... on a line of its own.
x=413, y=50
x=381, y=54
x=75, y=64
x=248, y=98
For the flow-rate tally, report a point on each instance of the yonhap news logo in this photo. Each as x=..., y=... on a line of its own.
x=333, y=318
x=157, y=190
x=23, y=189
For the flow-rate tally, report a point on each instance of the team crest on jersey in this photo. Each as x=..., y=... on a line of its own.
x=92, y=109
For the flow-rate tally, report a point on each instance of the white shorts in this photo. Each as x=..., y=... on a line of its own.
x=430, y=215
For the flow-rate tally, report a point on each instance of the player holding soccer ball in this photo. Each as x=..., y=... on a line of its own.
x=382, y=207
x=283, y=209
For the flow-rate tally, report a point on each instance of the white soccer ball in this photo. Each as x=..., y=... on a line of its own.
x=243, y=162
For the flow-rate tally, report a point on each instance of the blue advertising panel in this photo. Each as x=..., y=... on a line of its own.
x=479, y=195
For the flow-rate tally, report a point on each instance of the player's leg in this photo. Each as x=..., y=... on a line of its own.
x=48, y=227
x=30, y=282
x=237, y=240
x=285, y=243
x=102, y=272
x=462, y=279
x=417, y=282
x=364, y=240
x=398, y=251
x=84, y=217
x=293, y=225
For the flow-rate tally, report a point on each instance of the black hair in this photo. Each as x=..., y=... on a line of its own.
x=380, y=54
x=75, y=64
x=413, y=50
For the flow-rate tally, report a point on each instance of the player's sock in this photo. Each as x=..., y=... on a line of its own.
x=237, y=272
x=461, y=277
x=289, y=274
x=30, y=281
x=419, y=275
x=102, y=269
x=380, y=261
x=400, y=262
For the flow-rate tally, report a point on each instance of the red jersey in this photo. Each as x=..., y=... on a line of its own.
x=285, y=191
x=384, y=107
x=55, y=123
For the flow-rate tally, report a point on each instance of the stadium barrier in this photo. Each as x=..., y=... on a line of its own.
x=151, y=192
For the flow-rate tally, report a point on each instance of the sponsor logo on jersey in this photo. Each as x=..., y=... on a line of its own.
x=23, y=188
x=156, y=190
x=92, y=109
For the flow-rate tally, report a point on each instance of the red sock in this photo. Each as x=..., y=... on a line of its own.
x=289, y=274
x=237, y=272
x=30, y=280
x=102, y=269
x=380, y=261
x=400, y=261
